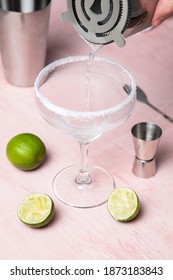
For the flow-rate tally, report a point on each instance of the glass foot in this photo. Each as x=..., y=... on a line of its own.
x=83, y=195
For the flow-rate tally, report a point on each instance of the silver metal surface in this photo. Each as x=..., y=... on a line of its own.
x=146, y=137
x=97, y=21
x=143, y=168
x=23, y=44
x=141, y=96
x=104, y=22
x=23, y=6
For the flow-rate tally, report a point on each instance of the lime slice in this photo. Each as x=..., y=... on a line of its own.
x=36, y=210
x=123, y=204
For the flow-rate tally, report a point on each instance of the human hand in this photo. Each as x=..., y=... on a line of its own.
x=164, y=9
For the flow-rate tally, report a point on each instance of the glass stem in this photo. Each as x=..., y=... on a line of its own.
x=83, y=176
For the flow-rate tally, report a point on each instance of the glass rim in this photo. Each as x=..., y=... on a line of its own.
x=81, y=114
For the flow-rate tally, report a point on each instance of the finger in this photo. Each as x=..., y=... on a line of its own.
x=164, y=9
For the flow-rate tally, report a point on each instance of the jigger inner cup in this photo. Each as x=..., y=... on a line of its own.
x=146, y=131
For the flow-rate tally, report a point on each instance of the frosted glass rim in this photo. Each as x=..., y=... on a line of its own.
x=80, y=114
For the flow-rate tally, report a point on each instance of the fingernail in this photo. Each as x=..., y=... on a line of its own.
x=158, y=21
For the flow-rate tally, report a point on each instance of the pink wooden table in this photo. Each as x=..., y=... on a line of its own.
x=92, y=233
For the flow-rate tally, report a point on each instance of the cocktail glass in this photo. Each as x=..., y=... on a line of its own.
x=85, y=98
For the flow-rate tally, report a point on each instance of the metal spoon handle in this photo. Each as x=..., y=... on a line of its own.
x=159, y=111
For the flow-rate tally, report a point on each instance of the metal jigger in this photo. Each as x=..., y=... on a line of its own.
x=146, y=137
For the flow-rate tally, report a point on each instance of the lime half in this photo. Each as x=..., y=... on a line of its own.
x=36, y=210
x=123, y=204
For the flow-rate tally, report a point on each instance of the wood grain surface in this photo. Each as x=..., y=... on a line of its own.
x=92, y=234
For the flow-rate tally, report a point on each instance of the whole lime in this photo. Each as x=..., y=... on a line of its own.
x=26, y=151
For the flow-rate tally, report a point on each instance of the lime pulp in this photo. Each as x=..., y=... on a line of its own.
x=36, y=210
x=123, y=204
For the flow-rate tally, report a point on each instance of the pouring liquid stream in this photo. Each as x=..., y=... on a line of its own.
x=93, y=49
x=83, y=176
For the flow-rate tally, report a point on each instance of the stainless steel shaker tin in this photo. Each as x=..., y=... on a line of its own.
x=23, y=39
x=23, y=6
